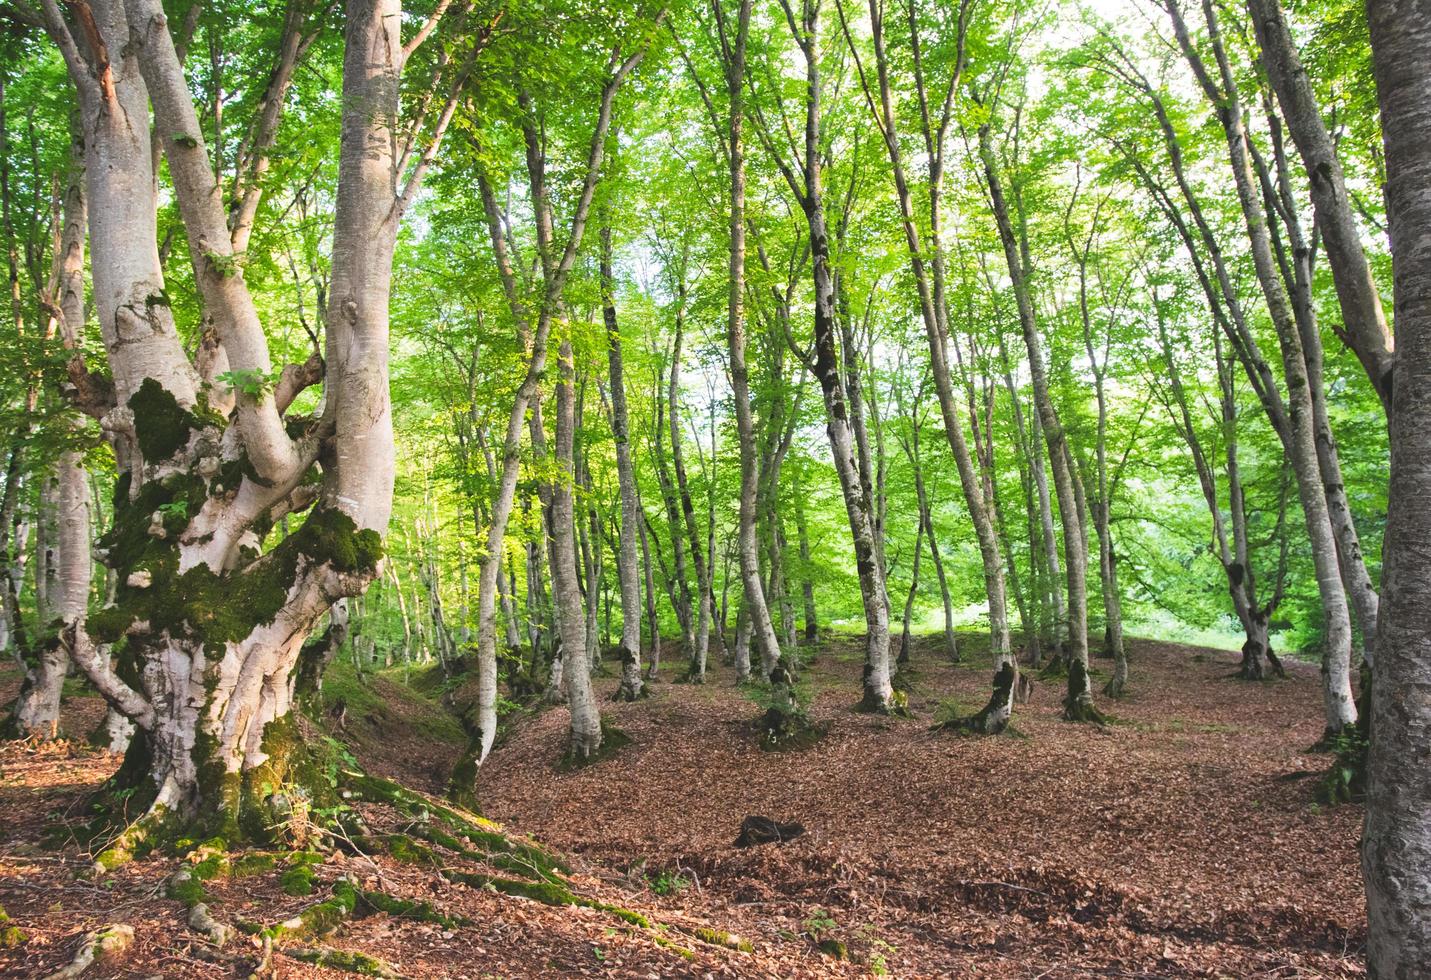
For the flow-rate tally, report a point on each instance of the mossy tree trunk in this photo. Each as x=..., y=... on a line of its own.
x=209, y=621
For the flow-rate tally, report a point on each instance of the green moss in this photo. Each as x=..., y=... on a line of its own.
x=339, y=959
x=408, y=851
x=251, y=865
x=297, y=880
x=719, y=937
x=613, y=740
x=11, y=936
x=318, y=919
x=186, y=888
x=625, y=915
x=136, y=840
x=405, y=909
x=161, y=425
x=833, y=948
x=546, y=892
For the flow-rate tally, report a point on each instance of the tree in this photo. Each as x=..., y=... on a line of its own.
x=1396, y=844
x=211, y=624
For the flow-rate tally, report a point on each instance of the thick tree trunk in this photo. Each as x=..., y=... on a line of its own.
x=213, y=633
x=1396, y=842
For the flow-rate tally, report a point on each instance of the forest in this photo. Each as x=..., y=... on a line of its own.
x=744, y=488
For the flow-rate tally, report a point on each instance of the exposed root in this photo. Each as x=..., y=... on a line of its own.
x=338, y=959
x=417, y=911
x=719, y=937
x=788, y=728
x=1078, y=702
x=318, y=919
x=107, y=941
x=206, y=925
x=135, y=840
x=994, y=717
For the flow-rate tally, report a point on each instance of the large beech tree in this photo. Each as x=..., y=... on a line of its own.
x=210, y=617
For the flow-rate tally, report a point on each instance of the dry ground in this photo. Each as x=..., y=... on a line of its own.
x=1180, y=841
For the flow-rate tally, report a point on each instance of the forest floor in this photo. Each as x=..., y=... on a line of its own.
x=1182, y=840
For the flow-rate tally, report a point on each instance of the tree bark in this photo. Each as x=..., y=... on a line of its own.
x=1396, y=842
x=628, y=570
x=584, y=738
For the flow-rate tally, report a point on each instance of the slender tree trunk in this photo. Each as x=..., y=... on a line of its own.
x=585, y=732
x=1078, y=703
x=1365, y=329
x=753, y=607
x=807, y=583
x=926, y=521
x=702, y=596
x=631, y=532
x=1302, y=450
x=903, y=659
x=653, y=619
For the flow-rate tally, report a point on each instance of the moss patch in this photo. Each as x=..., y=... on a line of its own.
x=161, y=425
x=11, y=935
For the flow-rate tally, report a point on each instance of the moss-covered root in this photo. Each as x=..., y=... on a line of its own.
x=340, y=959
x=134, y=840
x=1078, y=703
x=318, y=919
x=719, y=937
x=109, y=941
x=416, y=911
x=993, y=718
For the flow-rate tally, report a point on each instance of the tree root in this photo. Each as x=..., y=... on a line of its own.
x=134, y=840
x=318, y=919
x=206, y=925
x=338, y=959
x=417, y=911
x=107, y=941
